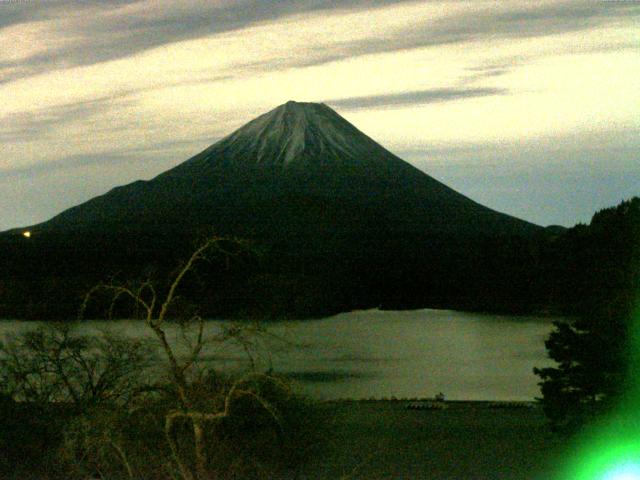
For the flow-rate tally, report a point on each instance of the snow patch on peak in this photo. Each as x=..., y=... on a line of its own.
x=295, y=130
x=296, y=135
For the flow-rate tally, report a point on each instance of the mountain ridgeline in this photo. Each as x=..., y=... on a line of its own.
x=296, y=171
x=337, y=222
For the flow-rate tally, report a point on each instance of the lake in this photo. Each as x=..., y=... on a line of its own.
x=373, y=353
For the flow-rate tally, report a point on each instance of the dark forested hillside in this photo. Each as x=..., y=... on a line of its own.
x=590, y=263
x=567, y=271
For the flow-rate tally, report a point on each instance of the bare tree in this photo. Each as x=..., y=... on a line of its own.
x=155, y=308
x=56, y=363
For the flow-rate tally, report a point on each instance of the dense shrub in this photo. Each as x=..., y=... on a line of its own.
x=251, y=442
x=269, y=431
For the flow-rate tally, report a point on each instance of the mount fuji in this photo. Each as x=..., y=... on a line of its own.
x=340, y=222
x=300, y=168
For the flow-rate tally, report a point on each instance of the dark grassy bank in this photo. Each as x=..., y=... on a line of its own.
x=467, y=440
x=368, y=440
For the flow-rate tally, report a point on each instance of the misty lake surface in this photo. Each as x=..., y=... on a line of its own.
x=373, y=353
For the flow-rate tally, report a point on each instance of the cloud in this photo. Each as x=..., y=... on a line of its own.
x=36, y=124
x=492, y=69
x=32, y=125
x=67, y=163
x=418, y=97
x=508, y=22
x=477, y=23
x=108, y=31
x=161, y=153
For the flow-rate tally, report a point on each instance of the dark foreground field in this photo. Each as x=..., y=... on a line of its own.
x=467, y=440
x=373, y=440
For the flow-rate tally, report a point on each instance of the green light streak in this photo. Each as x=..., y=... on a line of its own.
x=611, y=449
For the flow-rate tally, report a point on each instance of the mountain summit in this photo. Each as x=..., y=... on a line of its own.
x=300, y=134
x=294, y=136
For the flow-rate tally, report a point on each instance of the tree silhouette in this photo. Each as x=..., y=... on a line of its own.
x=155, y=307
x=593, y=351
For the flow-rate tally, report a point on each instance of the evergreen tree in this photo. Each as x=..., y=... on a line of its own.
x=593, y=350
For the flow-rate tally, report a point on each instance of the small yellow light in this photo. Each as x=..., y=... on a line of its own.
x=26, y=234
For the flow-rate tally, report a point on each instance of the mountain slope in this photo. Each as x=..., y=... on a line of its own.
x=338, y=222
x=265, y=172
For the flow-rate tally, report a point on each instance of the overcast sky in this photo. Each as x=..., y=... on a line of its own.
x=531, y=108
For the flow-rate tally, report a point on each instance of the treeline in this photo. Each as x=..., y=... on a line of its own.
x=554, y=270
x=591, y=263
